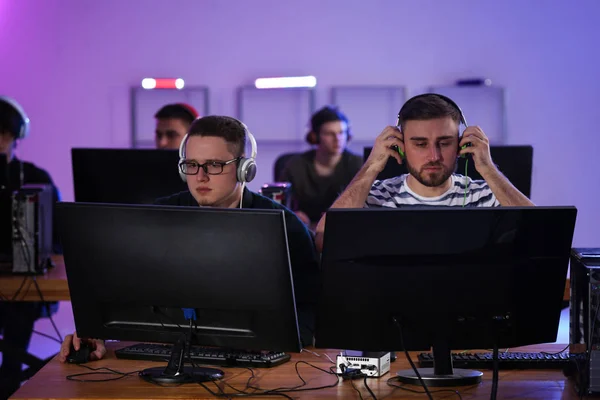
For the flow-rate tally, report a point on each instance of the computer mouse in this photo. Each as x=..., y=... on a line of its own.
x=79, y=356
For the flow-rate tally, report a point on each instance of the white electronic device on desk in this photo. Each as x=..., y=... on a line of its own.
x=372, y=364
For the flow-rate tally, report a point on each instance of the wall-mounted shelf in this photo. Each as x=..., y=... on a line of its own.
x=482, y=105
x=369, y=108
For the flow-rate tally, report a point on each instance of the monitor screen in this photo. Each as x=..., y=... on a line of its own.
x=132, y=268
x=515, y=162
x=125, y=176
x=445, y=277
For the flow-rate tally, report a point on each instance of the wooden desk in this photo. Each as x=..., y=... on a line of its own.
x=50, y=382
x=53, y=284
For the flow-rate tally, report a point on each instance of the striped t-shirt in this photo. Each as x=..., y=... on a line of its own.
x=394, y=192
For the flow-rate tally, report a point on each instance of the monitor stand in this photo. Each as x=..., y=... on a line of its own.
x=177, y=373
x=442, y=373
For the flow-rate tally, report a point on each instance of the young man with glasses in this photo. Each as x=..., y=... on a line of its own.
x=213, y=149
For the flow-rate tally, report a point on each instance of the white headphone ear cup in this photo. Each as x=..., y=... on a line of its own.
x=250, y=170
x=182, y=158
x=246, y=170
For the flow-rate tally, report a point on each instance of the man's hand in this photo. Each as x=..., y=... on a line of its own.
x=390, y=136
x=479, y=148
x=96, y=344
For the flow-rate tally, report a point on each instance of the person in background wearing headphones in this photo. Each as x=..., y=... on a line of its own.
x=17, y=318
x=214, y=165
x=318, y=176
x=172, y=123
x=427, y=140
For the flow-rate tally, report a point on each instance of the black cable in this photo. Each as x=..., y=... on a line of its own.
x=494, y=372
x=242, y=394
x=250, y=378
x=410, y=360
x=301, y=388
x=283, y=390
x=47, y=309
x=220, y=389
x=25, y=251
x=355, y=388
x=47, y=336
x=557, y=353
x=369, y=389
x=19, y=289
x=395, y=379
x=100, y=371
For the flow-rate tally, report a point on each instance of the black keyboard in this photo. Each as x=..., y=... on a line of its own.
x=505, y=360
x=205, y=355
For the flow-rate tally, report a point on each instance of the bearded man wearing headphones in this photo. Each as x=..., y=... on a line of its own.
x=214, y=165
x=428, y=139
x=17, y=318
x=319, y=175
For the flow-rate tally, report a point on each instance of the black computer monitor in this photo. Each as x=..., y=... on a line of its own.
x=131, y=269
x=443, y=277
x=3, y=172
x=515, y=162
x=125, y=176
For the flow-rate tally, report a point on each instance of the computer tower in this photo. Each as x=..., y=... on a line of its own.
x=584, y=324
x=31, y=229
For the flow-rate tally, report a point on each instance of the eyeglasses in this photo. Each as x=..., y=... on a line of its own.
x=209, y=167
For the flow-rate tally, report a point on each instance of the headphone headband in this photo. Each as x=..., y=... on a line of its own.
x=189, y=109
x=21, y=130
x=441, y=96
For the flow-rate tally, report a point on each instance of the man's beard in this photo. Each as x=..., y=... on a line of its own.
x=430, y=179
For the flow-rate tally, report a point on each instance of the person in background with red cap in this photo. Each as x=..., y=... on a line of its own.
x=172, y=123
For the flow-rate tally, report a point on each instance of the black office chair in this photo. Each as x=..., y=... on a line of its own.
x=279, y=165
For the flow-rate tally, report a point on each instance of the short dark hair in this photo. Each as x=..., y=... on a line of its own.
x=428, y=106
x=176, y=111
x=228, y=128
x=324, y=115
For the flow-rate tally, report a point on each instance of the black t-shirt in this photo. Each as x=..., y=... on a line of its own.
x=312, y=193
x=303, y=255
